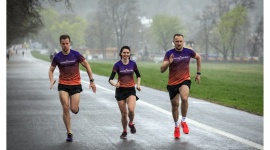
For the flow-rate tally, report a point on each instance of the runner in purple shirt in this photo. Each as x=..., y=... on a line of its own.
x=177, y=60
x=69, y=86
x=125, y=92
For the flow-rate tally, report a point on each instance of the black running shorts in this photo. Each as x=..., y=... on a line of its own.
x=71, y=89
x=122, y=93
x=174, y=89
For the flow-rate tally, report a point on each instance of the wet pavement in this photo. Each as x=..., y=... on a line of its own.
x=34, y=117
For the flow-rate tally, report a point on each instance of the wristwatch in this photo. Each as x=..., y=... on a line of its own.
x=92, y=80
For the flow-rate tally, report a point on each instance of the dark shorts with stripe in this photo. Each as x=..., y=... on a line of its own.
x=71, y=89
x=174, y=89
x=122, y=93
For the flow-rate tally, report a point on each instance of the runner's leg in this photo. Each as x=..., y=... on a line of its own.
x=175, y=107
x=184, y=92
x=131, y=101
x=64, y=99
x=123, y=110
x=74, y=102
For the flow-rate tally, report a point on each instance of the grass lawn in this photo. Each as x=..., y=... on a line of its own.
x=238, y=86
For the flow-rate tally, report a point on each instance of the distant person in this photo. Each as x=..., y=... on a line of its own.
x=23, y=53
x=69, y=86
x=52, y=55
x=177, y=60
x=125, y=92
x=7, y=55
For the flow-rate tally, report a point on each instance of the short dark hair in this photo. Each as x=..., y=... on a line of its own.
x=64, y=36
x=124, y=47
x=177, y=34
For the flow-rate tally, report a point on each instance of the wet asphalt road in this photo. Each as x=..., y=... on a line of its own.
x=34, y=117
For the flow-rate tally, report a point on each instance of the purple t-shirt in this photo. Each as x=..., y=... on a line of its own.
x=125, y=73
x=69, y=67
x=179, y=68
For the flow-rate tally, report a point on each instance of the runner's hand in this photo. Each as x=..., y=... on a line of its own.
x=92, y=85
x=117, y=85
x=52, y=83
x=171, y=58
x=197, y=78
x=139, y=88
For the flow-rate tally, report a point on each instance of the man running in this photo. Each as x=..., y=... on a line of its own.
x=177, y=59
x=69, y=86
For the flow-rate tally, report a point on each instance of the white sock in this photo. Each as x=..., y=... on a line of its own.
x=184, y=119
x=177, y=124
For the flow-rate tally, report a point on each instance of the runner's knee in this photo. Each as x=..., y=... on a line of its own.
x=75, y=111
x=131, y=112
x=184, y=99
x=124, y=114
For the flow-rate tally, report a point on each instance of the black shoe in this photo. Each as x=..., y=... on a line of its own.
x=69, y=137
x=132, y=128
x=123, y=135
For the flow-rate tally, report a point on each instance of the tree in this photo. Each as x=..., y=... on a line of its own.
x=206, y=22
x=100, y=33
x=229, y=27
x=256, y=41
x=228, y=19
x=120, y=14
x=56, y=24
x=49, y=18
x=163, y=29
x=23, y=18
x=259, y=31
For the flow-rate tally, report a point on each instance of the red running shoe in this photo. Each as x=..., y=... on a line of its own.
x=123, y=135
x=132, y=128
x=185, y=127
x=177, y=132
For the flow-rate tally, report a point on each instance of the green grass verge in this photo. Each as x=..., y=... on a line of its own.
x=37, y=54
x=238, y=86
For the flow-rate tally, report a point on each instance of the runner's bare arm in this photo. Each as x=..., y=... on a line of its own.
x=90, y=74
x=198, y=75
x=52, y=81
x=166, y=64
x=87, y=66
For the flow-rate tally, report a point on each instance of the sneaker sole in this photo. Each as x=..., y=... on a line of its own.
x=185, y=132
x=69, y=140
x=133, y=132
x=177, y=137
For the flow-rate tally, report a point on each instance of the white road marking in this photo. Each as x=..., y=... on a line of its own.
x=203, y=126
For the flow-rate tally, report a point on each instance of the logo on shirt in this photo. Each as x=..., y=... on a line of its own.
x=182, y=57
x=67, y=62
x=126, y=70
